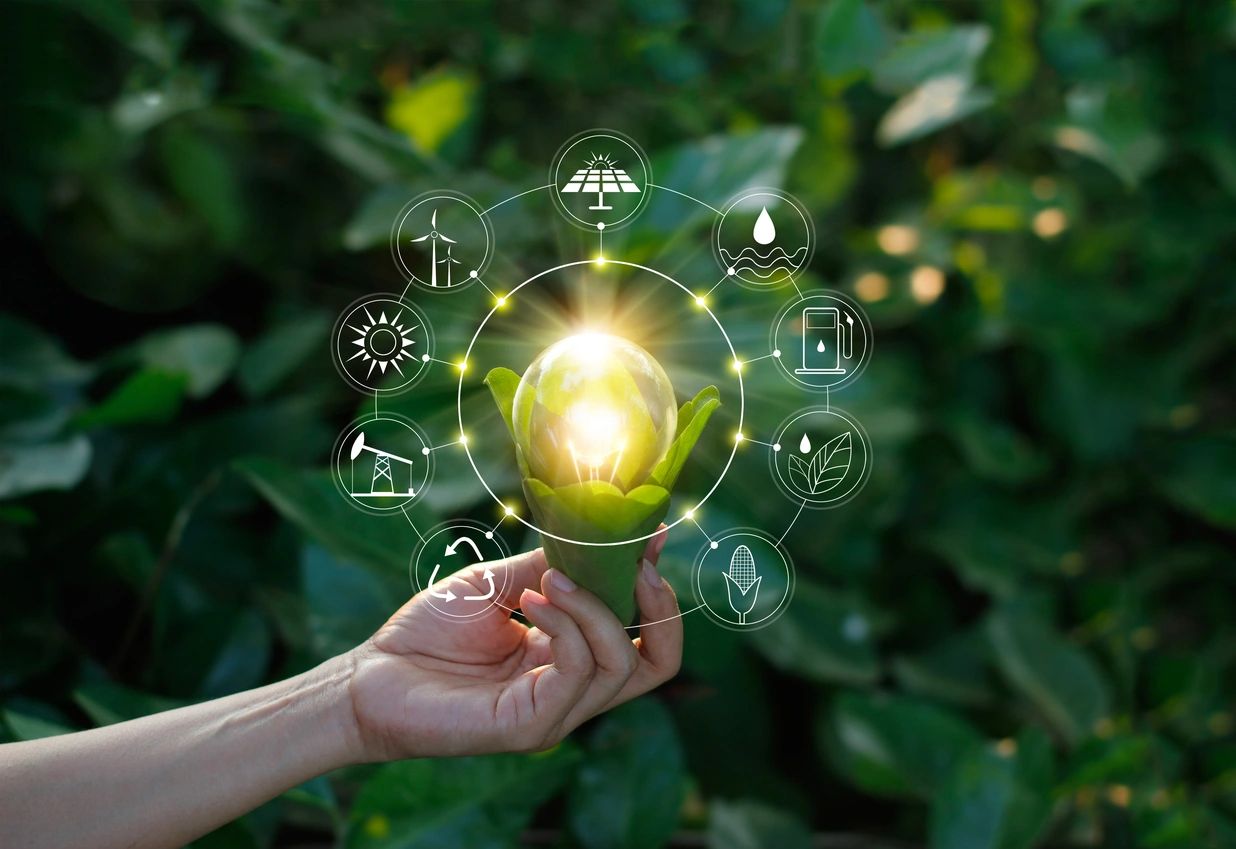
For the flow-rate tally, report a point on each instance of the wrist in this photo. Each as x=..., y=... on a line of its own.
x=329, y=688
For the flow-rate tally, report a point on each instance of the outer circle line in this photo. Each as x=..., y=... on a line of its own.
x=468, y=354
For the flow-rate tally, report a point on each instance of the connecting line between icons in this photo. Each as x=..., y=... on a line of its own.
x=756, y=359
x=794, y=283
x=827, y=400
x=486, y=288
x=601, y=246
x=443, y=445
x=792, y=521
x=701, y=528
x=404, y=510
x=746, y=438
x=685, y=195
x=681, y=614
x=724, y=277
x=514, y=197
x=425, y=358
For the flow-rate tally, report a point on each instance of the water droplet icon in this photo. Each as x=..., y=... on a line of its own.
x=805, y=444
x=764, y=230
x=820, y=346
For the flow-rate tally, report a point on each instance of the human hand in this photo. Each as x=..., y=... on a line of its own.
x=427, y=686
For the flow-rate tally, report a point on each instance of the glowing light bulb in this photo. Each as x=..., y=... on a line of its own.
x=594, y=407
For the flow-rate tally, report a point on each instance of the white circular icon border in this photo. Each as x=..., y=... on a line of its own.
x=854, y=489
x=472, y=273
x=787, y=310
x=342, y=440
x=555, y=187
x=808, y=224
x=422, y=364
x=491, y=535
x=697, y=569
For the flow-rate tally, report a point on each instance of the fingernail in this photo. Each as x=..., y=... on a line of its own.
x=533, y=598
x=561, y=581
x=650, y=574
x=659, y=543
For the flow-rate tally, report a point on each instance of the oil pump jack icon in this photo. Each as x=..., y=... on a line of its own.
x=382, y=482
x=433, y=237
x=828, y=341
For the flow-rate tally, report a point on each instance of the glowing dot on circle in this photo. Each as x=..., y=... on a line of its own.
x=690, y=514
x=737, y=365
x=501, y=301
x=424, y=358
x=600, y=260
x=600, y=225
x=777, y=353
x=714, y=545
x=510, y=511
x=472, y=274
x=699, y=300
x=462, y=365
x=738, y=437
x=730, y=271
x=463, y=439
x=425, y=451
x=777, y=446
x=489, y=535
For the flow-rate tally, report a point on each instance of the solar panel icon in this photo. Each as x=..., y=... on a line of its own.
x=600, y=174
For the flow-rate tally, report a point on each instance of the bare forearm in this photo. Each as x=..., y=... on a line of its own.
x=163, y=780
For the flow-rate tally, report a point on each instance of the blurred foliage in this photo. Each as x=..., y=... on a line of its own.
x=1020, y=635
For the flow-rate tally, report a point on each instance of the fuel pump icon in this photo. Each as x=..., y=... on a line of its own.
x=828, y=340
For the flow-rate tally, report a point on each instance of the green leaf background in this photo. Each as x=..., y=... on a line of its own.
x=1018, y=635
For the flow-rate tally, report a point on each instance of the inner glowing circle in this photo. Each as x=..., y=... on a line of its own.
x=733, y=443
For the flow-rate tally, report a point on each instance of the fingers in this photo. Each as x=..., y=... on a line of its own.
x=523, y=572
x=660, y=635
x=552, y=691
x=612, y=650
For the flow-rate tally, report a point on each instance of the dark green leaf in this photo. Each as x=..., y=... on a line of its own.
x=446, y=803
x=632, y=782
x=753, y=825
x=1056, y=677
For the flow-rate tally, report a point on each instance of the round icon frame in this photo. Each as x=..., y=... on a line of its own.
x=338, y=344
x=557, y=181
x=490, y=536
x=713, y=546
x=738, y=274
x=780, y=447
x=844, y=302
x=405, y=267
x=347, y=442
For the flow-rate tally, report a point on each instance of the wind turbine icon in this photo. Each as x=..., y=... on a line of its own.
x=434, y=237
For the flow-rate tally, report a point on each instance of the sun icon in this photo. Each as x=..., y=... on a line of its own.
x=382, y=342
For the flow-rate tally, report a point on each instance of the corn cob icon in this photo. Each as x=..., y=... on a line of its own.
x=742, y=577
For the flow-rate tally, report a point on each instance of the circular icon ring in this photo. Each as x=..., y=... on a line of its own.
x=764, y=238
x=382, y=343
x=821, y=457
x=442, y=241
x=743, y=579
x=600, y=180
x=821, y=341
x=733, y=357
x=457, y=567
x=382, y=463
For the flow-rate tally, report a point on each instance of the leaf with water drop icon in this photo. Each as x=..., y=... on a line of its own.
x=828, y=466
